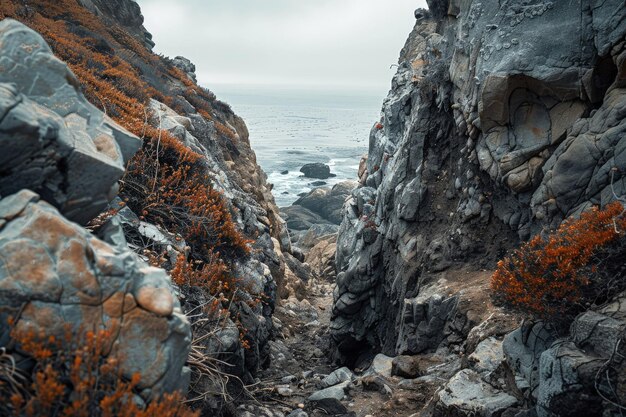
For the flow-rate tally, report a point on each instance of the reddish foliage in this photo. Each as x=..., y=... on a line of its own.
x=77, y=378
x=547, y=276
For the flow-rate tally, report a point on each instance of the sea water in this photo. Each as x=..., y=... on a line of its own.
x=290, y=128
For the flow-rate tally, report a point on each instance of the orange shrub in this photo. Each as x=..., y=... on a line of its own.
x=77, y=378
x=212, y=275
x=165, y=183
x=553, y=275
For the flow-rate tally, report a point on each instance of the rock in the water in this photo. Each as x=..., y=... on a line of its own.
x=467, y=395
x=56, y=274
x=316, y=170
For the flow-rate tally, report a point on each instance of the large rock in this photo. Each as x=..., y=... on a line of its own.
x=56, y=143
x=328, y=202
x=523, y=348
x=336, y=392
x=567, y=382
x=565, y=374
x=125, y=12
x=468, y=395
x=503, y=119
x=316, y=170
x=54, y=274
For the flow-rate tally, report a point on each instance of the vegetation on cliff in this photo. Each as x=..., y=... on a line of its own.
x=558, y=275
x=166, y=183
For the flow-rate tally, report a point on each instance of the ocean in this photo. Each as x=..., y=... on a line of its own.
x=290, y=128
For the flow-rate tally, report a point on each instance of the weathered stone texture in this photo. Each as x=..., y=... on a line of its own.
x=56, y=142
x=54, y=274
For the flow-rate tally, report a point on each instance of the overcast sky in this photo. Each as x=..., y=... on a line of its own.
x=306, y=43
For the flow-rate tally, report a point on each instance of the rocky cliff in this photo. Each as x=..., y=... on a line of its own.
x=504, y=118
x=119, y=171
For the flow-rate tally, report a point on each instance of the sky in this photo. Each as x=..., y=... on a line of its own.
x=348, y=44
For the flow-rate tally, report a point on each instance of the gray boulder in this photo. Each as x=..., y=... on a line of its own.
x=328, y=202
x=336, y=392
x=301, y=218
x=56, y=275
x=337, y=377
x=523, y=348
x=567, y=378
x=407, y=367
x=56, y=142
x=316, y=170
x=466, y=394
x=186, y=66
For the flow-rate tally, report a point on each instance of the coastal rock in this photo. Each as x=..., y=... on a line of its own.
x=316, y=170
x=523, y=348
x=381, y=365
x=321, y=257
x=337, y=377
x=487, y=356
x=567, y=370
x=124, y=12
x=336, y=392
x=467, y=395
x=496, y=127
x=301, y=218
x=46, y=123
x=407, y=367
x=186, y=66
x=73, y=279
x=328, y=202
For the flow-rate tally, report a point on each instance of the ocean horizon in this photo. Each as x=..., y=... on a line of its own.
x=291, y=127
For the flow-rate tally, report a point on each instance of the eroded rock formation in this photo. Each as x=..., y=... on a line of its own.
x=504, y=119
x=56, y=276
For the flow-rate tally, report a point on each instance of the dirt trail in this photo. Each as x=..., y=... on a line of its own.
x=300, y=360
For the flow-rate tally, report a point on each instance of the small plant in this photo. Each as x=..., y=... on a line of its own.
x=556, y=275
x=76, y=377
x=165, y=183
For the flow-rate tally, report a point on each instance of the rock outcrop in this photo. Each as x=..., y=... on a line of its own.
x=61, y=147
x=58, y=144
x=123, y=12
x=488, y=135
x=504, y=119
x=56, y=276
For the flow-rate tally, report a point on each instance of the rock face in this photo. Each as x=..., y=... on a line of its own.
x=503, y=118
x=56, y=276
x=571, y=371
x=53, y=273
x=56, y=142
x=125, y=12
